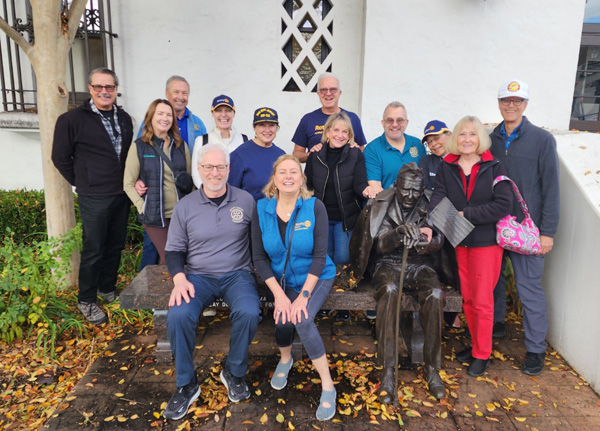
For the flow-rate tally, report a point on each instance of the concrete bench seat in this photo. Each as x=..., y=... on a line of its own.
x=151, y=289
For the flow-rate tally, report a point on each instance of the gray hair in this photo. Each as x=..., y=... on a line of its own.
x=177, y=78
x=105, y=71
x=322, y=76
x=395, y=105
x=212, y=147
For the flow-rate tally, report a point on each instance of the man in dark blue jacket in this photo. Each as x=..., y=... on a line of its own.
x=529, y=155
x=90, y=147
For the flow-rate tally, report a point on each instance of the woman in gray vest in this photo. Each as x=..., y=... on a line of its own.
x=158, y=158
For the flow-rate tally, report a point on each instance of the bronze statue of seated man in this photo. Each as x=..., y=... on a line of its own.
x=395, y=219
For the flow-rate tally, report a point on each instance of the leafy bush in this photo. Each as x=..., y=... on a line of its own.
x=23, y=212
x=33, y=286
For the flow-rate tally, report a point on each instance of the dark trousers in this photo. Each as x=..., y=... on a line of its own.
x=238, y=289
x=149, y=252
x=104, y=224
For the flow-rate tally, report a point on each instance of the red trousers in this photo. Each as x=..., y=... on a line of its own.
x=479, y=269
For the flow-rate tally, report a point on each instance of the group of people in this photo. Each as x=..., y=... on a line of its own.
x=254, y=209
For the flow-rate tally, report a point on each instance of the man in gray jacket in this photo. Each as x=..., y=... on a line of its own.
x=529, y=154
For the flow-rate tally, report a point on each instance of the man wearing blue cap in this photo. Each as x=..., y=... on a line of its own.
x=436, y=134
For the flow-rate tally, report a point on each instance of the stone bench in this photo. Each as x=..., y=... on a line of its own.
x=151, y=289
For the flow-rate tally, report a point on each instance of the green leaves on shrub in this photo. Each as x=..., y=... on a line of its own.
x=24, y=213
x=34, y=289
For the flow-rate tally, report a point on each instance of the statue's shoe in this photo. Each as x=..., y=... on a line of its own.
x=434, y=382
x=386, y=389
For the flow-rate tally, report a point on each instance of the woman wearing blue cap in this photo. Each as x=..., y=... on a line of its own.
x=223, y=112
x=252, y=162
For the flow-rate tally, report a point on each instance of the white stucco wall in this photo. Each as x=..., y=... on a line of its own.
x=571, y=278
x=445, y=59
x=226, y=49
x=21, y=161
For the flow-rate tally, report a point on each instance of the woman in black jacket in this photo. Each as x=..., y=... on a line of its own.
x=338, y=176
x=466, y=178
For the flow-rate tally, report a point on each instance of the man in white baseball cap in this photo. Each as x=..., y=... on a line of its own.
x=529, y=154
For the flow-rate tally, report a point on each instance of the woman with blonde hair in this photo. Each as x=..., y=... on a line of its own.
x=289, y=249
x=466, y=178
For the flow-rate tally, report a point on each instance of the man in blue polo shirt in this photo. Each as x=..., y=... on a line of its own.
x=384, y=156
x=308, y=133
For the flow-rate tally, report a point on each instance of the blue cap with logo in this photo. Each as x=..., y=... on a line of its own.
x=265, y=115
x=434, y=127
x=222, y=100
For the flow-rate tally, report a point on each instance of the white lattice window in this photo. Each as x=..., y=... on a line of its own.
x=306, y=34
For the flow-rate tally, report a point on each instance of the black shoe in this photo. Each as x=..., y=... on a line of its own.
x=237, y=388
x=499, y=330
x=343, y=316
x=478, y=367
x=179, y=403
x=467, y=333
x=323, y=313
x=465, y=355
x=534, y=362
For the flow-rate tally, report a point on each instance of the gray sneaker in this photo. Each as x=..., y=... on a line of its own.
x=92, y=312
x=109, y=297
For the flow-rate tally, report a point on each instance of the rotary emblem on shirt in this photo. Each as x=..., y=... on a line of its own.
x=302, y=225
x=413, y=151
x=237, y=214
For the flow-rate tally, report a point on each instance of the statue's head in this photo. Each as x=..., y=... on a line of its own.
x=409, y=185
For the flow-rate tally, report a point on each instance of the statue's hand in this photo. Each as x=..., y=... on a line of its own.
x=409, y=234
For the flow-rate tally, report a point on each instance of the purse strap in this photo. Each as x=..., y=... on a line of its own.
x=163, y=156
x=524, y=208
x=287, y=255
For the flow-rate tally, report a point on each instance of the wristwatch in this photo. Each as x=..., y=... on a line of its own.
x=306, y=294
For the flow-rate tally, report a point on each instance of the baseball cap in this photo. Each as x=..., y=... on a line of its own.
x=434, y=127
x=514, y=88
x=265, y=115
x=222, y=100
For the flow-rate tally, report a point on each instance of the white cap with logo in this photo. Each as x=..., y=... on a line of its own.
x=514, y=88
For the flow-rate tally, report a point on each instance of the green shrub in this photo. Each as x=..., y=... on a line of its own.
x=23, y=212
x=35, y=291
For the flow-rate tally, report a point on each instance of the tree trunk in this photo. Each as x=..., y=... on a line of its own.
x=49, y=62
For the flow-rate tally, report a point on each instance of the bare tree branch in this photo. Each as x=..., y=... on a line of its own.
x=16, y=36
x=74, y=16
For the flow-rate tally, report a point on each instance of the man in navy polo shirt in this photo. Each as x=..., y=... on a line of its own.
x=385, y=155
x=308, y=133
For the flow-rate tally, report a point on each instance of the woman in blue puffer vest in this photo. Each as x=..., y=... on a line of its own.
x=289, y=248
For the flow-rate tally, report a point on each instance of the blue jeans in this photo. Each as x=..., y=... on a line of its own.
x=338, y=246
x=149, y=252
x=307, y=330
x=238, y=289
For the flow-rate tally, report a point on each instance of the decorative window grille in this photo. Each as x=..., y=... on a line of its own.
x=306, y=35
x=92, y=48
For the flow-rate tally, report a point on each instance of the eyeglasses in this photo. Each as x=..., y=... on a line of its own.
x=209, y=168
x=332, y=90
x=516, y=102
x=108, y=88
x=391, y=121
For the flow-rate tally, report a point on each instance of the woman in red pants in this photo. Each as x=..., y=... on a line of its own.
x=465, y=177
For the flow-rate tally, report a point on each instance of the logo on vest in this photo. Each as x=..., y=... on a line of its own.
x=413, y=151
x=302, y=225
x=237, y=214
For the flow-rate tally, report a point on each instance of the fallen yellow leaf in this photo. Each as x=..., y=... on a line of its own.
x=521, y=419
x=280, y=418
x=109, y=418
x=264, y=419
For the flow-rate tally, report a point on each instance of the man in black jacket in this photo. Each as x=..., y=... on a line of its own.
x=90, y=147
